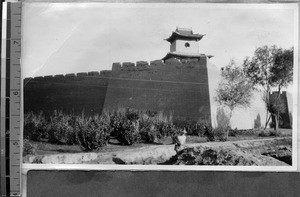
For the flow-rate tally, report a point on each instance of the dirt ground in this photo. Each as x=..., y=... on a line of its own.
x=45, y=148
x=261, y=152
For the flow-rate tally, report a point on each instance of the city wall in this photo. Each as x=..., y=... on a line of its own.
x=174, y=87
x=70, y=93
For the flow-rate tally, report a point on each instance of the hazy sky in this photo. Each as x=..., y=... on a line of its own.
x=60, y=38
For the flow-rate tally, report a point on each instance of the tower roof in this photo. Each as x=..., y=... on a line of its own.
x=184, y=56
x=184, y=33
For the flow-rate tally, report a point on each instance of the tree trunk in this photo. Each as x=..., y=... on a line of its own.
x=267, y=114
x=277, y=121
x=268, y=121
x=230, y=115
x=277, y=114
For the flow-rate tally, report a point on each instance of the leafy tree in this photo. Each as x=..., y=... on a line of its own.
x=270, y=67
x=282, y=69
x=258, y=67
x=281, y=76
x=234, y=89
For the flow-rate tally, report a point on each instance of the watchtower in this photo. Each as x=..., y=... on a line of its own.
x=184, y=44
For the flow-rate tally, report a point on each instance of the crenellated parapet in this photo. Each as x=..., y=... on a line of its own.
x=156, y=64
x=125, y=66
x=70, y=76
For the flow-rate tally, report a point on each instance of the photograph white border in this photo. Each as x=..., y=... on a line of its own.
x=101, y=167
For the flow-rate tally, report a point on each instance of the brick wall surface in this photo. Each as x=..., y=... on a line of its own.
x=177, y=87
x=81, y=92
x=173, y=86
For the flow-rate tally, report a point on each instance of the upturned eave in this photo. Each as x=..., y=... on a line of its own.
x=178, y=36
x=185, y=55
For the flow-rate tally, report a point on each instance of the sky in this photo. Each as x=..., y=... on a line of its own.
x=61, y=38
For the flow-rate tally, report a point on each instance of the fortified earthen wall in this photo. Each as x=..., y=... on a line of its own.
x=173, y=87
x=81, y=92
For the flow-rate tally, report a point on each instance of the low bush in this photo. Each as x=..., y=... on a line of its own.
x=149, y=134
x=249, y=132
x=57, y=128
x=220, y=133
x=150, y=114
x=92, y=133
x=128, y=132
x=233, y=132
x=267, y=133
x=275, y=133
x=124, y=125
x=199, y=129
x=28, y=148
x=70, y=135
x=147, y=129
x=192, y=127
x=118, y=117
x=213, y=134
x=131, y=114
x=166, y=129
x=155, y=126
x=35, y=126
x=243, y=132
x=115, y=120
x=208, y=133
x=264, y=133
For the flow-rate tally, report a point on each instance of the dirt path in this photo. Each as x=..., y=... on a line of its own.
x=161, y=153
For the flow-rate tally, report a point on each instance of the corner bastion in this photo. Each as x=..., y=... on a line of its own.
x=177, y=87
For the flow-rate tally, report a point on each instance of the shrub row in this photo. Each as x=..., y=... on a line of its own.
x=34, y=126
x=132, y=126
x=126, y=125
x=91, y=133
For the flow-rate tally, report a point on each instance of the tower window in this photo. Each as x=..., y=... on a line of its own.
x=187, y=44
